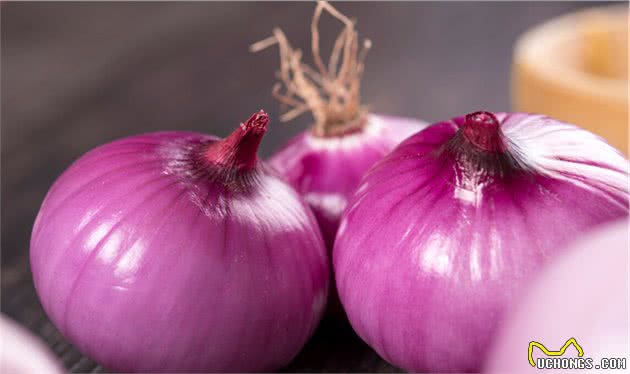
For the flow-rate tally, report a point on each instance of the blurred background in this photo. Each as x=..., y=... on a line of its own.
x=77, y=75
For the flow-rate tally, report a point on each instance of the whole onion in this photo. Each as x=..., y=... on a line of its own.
x=177, y=251
x=582, y=295
x=443, y=232
x=326, y=162
x=22, y=353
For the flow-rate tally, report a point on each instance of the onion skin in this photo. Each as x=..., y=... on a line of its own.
x=149, y=259
x=22, y=353
x=435, y=245
x=327, y=170
x=583, y=295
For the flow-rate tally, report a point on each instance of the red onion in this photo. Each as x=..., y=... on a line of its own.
x=176, y=251
x=326, y=163
x=22, y=353
x=583, y=295
x=442, y=232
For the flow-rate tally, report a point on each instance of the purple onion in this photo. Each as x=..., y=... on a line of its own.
x=176, y=251
x=326, y=170
x=22, y=353
x=442, y=233
x=582, y=295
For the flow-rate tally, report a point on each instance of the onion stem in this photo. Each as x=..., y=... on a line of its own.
x=329, y=91
x=238, y=150
x=482, y=129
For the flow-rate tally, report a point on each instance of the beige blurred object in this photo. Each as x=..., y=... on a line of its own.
x=575, y=68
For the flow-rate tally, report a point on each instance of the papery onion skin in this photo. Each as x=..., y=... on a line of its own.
x=151, y=259
x=22, y=353
x=431, y=251
x=326, y=170
x=582, y=295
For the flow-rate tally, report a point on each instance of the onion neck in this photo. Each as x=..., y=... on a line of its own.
x=481, y=148
x=342, y=127
x=238, y=150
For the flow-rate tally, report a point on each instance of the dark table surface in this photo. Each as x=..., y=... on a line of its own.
x=76, y=75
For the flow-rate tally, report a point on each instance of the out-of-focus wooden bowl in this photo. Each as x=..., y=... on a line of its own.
x=575, y=68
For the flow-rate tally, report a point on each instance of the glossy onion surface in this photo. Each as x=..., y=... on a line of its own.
x=327, y=170
x=146, y=263
x=440, y=237
x=583, y=295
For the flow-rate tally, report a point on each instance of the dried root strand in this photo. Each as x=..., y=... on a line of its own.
x=331, y=92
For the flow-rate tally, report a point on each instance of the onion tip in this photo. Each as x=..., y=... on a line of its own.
x=482, y=129
x=239, y=149
x=257, y=122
